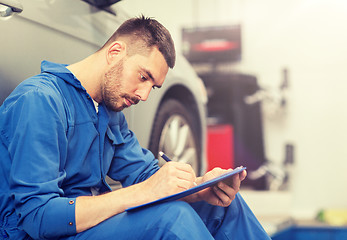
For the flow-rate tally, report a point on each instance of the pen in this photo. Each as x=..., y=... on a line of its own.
x=166, y=158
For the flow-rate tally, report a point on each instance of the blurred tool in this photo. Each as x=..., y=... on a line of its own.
x=277, y=175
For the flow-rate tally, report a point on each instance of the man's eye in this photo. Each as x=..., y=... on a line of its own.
x=143, y=78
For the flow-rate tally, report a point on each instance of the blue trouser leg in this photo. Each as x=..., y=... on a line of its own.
x=174, y=220
x=179, y=220
x=234, y=222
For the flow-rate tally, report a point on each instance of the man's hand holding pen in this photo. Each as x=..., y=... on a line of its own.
x=171, y=178
x=181, y=176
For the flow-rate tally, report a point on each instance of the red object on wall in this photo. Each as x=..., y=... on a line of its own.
x=220, y=146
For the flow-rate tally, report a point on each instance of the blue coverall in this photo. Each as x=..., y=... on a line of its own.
x=55, y=147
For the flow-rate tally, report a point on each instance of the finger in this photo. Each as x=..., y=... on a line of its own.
x=228, y=190
x=184, y=184
x=215, y=172
x=183, y=173
x=243, y=175
x=224, y=199
x=233, y=181
x=183, y=167
x=236, y=182
x=188, y=170
x=186, y=176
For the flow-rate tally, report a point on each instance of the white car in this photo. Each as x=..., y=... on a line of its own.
x=173, y=119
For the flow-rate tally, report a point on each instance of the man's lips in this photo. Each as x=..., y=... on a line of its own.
x=131, y=100
x=128, y=102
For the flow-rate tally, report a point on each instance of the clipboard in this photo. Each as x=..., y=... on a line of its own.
x=214, y=181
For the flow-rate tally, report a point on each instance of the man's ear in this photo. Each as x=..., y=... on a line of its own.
x=115, y=51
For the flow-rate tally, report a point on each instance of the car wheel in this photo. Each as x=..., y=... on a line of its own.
x=175, y=134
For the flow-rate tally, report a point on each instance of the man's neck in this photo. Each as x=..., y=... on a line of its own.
x=89, y=72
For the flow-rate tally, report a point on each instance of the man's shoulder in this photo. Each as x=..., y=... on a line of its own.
x=41, y=84
x=42, y=89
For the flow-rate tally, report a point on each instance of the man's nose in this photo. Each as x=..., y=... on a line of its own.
x=143, y=93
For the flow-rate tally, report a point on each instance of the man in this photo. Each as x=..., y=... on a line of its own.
x=63, y=131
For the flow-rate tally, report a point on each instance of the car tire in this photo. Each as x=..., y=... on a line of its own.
x=175, y=133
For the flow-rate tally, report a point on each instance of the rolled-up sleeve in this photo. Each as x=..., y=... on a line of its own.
x=55, y=218
x=36, y=141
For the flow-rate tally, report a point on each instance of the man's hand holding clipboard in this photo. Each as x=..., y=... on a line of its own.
x=222, y=192
x=217, y=187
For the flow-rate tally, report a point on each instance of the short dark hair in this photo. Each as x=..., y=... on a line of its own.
x=147, y=33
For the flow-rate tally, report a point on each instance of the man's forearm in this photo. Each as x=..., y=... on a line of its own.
x=172, y=178
x=92, y=210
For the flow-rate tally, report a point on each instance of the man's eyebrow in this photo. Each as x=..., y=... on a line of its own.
x=149, y=74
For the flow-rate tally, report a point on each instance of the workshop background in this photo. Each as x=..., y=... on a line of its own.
x=297, y=51
x=275, y=77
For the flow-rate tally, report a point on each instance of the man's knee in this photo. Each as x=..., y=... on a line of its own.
x=178, y=220
x=178, y=209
